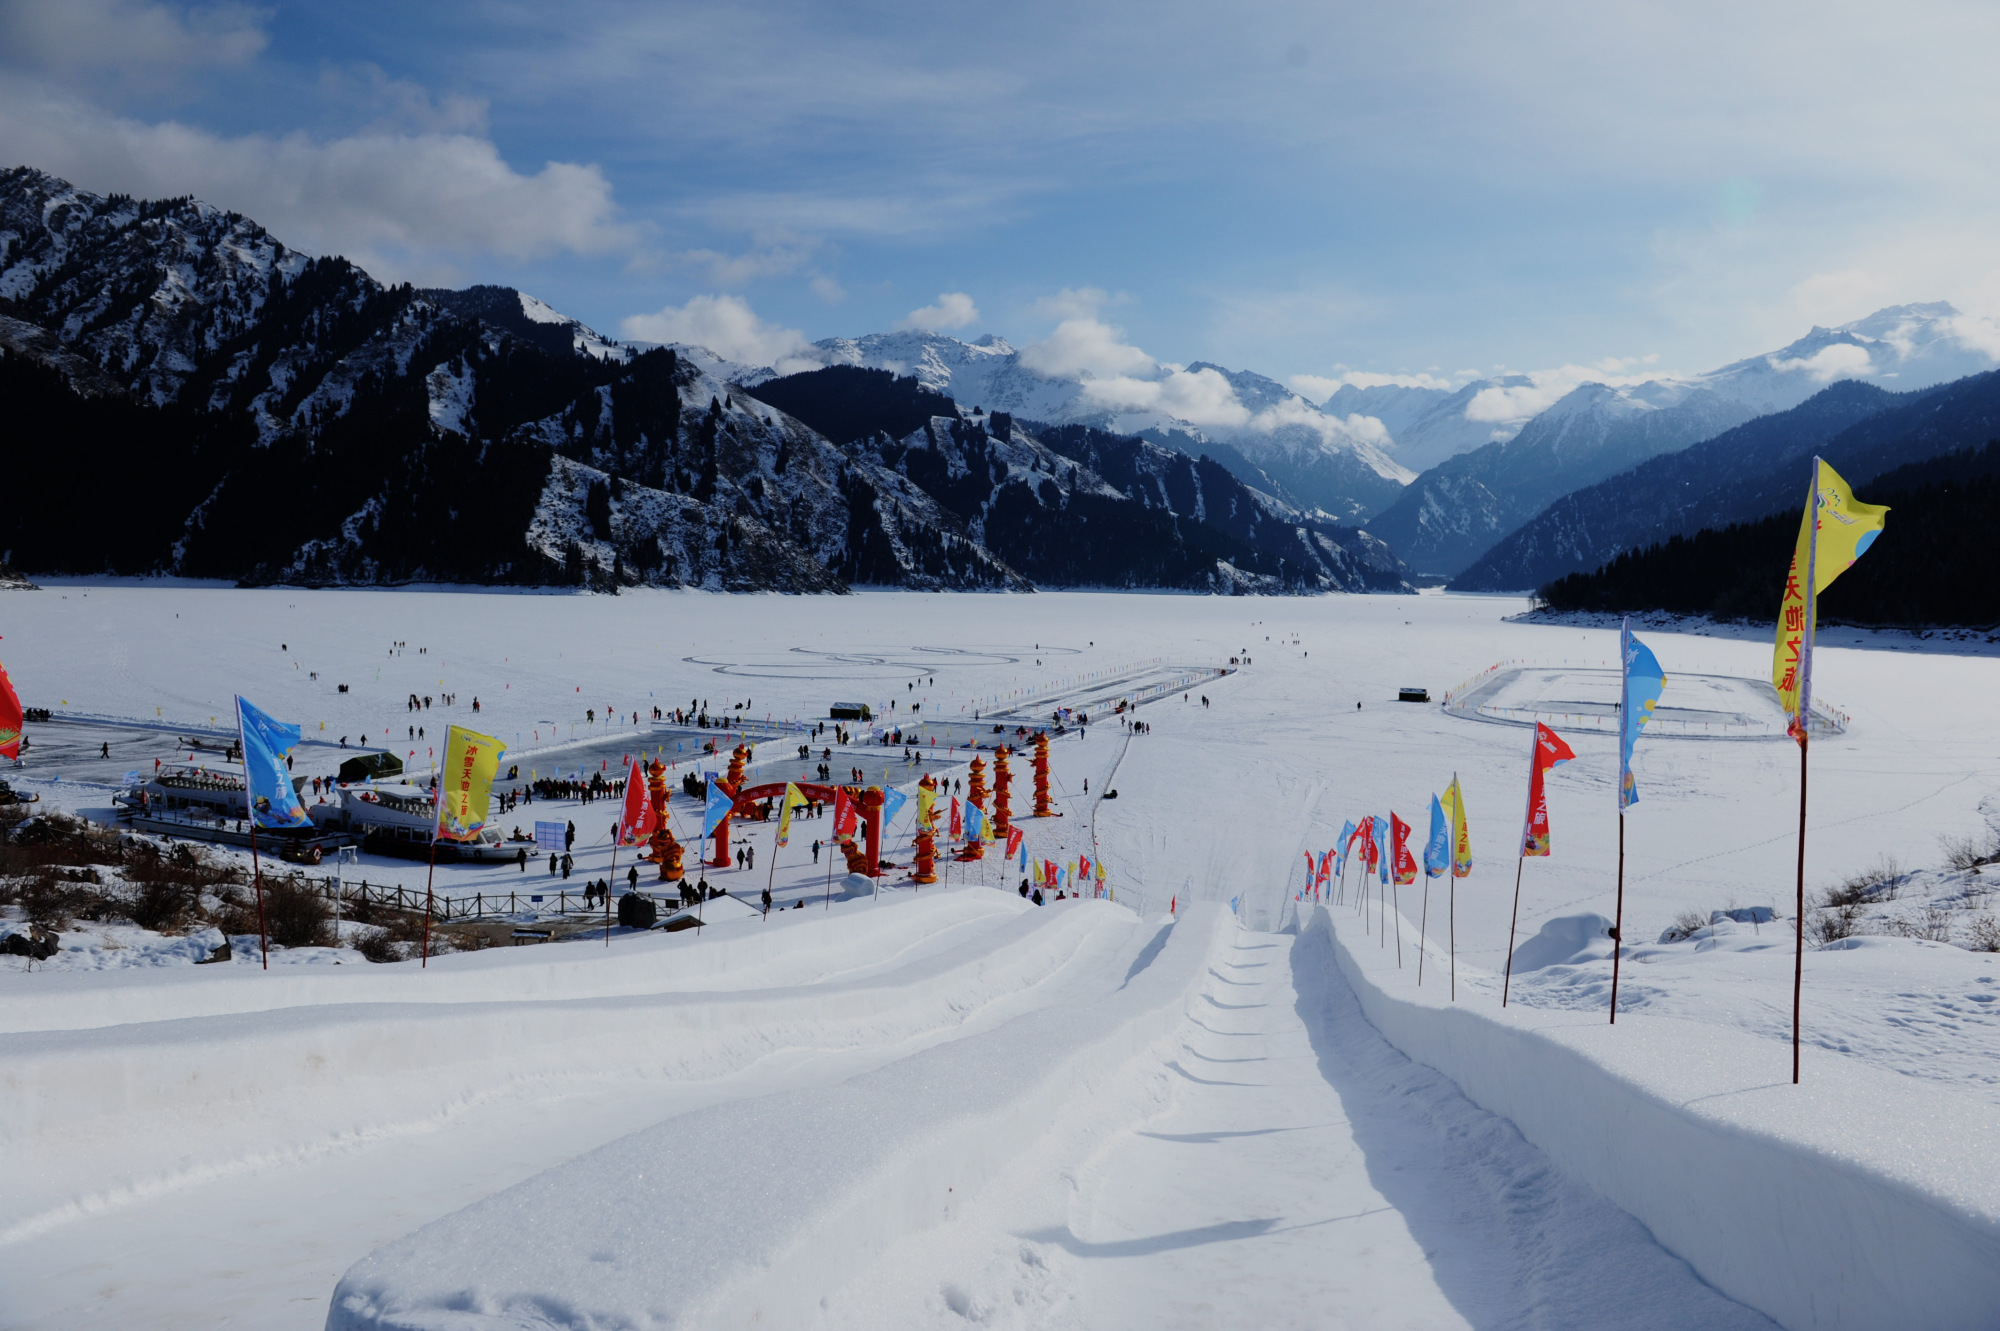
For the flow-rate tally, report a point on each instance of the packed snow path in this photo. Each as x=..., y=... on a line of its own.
x=1287, y=1168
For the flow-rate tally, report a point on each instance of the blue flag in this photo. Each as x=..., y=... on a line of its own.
x=1643, y=683
x=1340, y=851
x=1437, y=850
x=893, y=801
x=1382, y=846
x=1024, y=857
x=975, y=822
x=273, y=801
x=720, y=802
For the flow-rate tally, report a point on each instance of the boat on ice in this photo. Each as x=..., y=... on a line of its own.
x=398, y=820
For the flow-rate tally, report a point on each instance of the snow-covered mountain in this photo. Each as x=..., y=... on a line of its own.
x=1463, y=506
x=1457, y=510
x=1269, y=435
x=252, y=413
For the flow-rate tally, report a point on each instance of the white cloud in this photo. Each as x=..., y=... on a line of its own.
x=1514, y=403
x=1842, y=360
x=828, y=290
x=727, y=326
x=729, y=270
x=1076, y=303
x=1199, y=397
x=392, y=201
x=954, y=309
x=1087, y=348
x=149, y=43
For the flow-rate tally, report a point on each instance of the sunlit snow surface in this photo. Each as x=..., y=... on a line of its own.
x=1206, y=1192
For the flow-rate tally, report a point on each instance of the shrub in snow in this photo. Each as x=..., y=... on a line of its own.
x=1969, y=852
x=1984, y=936
x=1880, y=882
x=1684, y=926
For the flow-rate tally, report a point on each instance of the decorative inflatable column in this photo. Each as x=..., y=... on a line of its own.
x=1043, y=809
x=666, y=851
x=871, y=809
x=926, y=870
x=731, y=784
x=975, y=794
x=1002, y=778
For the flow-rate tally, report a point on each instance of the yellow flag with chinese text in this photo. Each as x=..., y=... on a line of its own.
x=465, y=785
x=1835, y=530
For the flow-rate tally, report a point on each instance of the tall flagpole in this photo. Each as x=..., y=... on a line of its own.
x=1423, y=924
x=1805, y=734
x=1507, y=980
x=1624, y=720
x=1521, y=860
x=1457, y=814
x=1618, y=924
x=257, y=873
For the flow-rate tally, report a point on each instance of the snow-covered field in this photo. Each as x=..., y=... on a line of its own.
x=946, y=1106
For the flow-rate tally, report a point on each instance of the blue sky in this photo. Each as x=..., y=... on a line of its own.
x=1302, y=189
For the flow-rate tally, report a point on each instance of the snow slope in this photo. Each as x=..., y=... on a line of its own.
x=1336, y=1177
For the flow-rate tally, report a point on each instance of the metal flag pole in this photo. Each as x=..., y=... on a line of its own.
x=1423, y=924
x=1520, y=861
x=1624, y=720
x=256, y=871
x=1805, y=734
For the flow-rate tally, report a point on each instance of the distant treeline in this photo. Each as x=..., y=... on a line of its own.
x=1933, y=563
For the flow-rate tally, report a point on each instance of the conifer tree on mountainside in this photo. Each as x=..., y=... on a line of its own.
x=1925, y=569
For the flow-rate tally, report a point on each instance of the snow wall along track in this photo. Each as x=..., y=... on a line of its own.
x=1856, y=1200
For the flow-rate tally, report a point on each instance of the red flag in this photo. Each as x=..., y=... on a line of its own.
x=1013, y=842
x=844, y=813
x=1549, y=752
x=10, y=718
x=636, y=822
x=1325, y=869
x=1370, y=852
x=1404, y=864
x=957, y=818
x=1049, y=874
x=1082, y=867
x=1175, y=901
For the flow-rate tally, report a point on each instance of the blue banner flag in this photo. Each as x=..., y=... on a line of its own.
x=975, y=823
x=1437, y=850
x=272, y=800
x=893, y=801
x=1382, y=845
x=1643, y=683
x=1340, y=851
x=720, y=802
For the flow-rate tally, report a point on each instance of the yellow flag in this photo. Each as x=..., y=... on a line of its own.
x=471, y=761
x=1828, y=547
x=926, y=797
x=794, y=798
x=1453, y=804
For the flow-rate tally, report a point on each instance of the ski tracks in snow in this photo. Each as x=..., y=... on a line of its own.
x=1279, y=1164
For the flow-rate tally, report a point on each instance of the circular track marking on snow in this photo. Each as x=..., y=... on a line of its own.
x=1573, y=698
x=873, y=663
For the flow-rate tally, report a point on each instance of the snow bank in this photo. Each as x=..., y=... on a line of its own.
x=1858, y=1199
x=791, y=948
x=124, y=1110
x=746, y=1215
